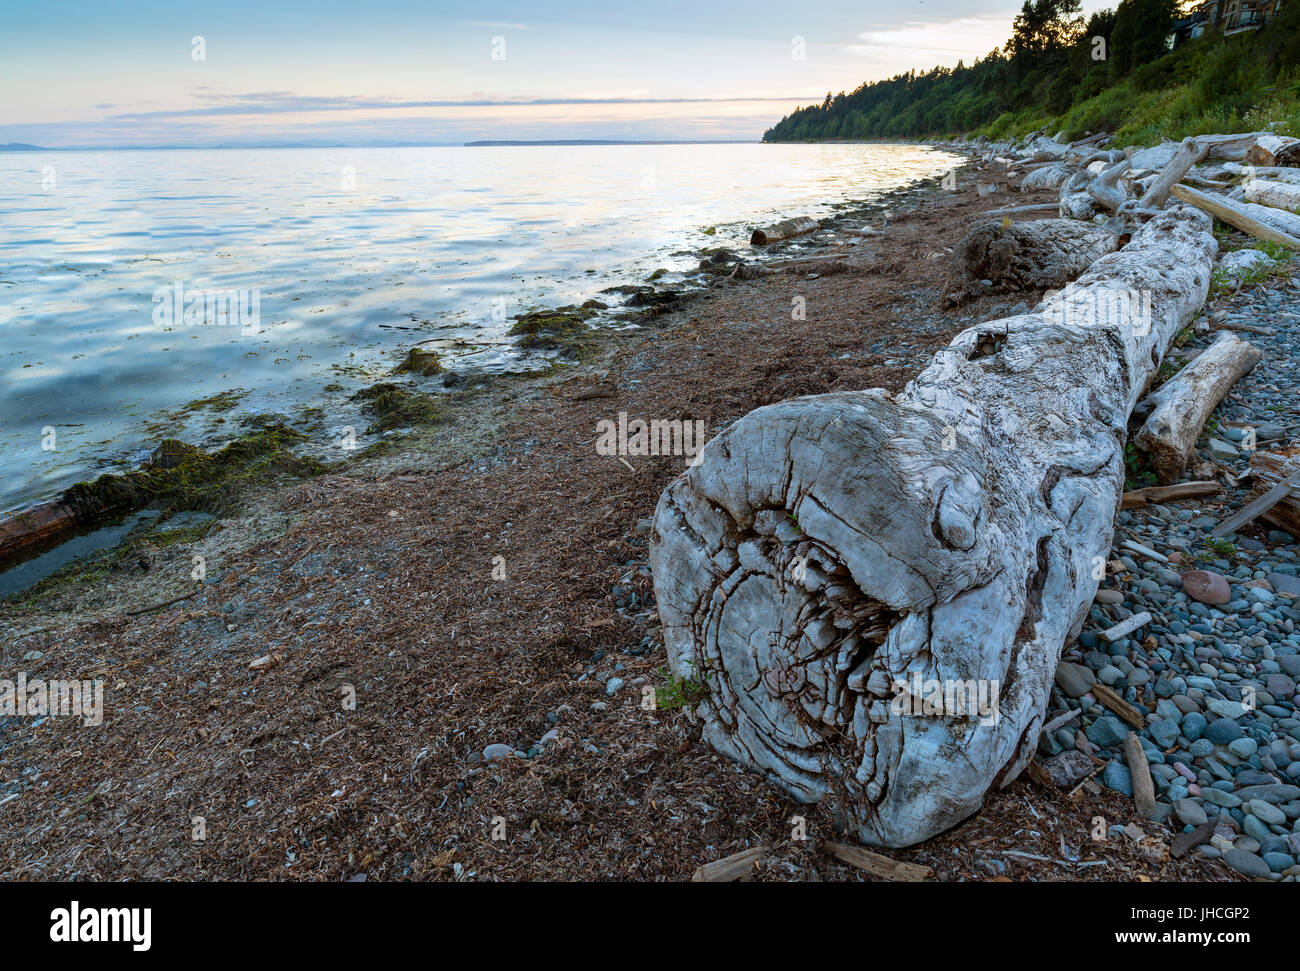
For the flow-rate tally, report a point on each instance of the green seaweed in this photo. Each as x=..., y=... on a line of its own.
x=563, y=329
x=179, y=476
x=395, y=406
x=421, y=361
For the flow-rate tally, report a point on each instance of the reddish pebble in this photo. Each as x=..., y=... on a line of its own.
x=1207, y=587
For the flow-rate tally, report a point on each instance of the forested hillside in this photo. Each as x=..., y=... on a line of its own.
x=1112, y=71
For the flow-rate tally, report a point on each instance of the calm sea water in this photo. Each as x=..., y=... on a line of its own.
x=352, y=255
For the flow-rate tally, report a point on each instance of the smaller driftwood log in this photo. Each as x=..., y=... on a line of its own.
x=1186, y=400
x=786, y=229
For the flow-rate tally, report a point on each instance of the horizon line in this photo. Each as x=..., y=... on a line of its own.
x=16, y=148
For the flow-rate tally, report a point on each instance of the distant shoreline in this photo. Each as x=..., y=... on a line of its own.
x=21, y=147
x=500, y=143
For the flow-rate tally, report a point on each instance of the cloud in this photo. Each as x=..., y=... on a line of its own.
x=965, y=37
x=284, y=102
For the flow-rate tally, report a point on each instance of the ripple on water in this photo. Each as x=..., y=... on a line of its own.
x=431, y=238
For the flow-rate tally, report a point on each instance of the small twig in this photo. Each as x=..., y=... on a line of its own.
x=165, y=603
x=1060, y=720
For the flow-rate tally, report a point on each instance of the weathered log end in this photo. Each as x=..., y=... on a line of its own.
x=799, y=569
x=832, y=561
x=1041, y=254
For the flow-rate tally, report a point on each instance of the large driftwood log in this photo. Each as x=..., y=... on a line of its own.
x=1278, y=195
x=1044, y=149
x=1274, y=150
x=1033, y=255
x=1051, y=176
x=1189, y=153
x=1185, y=401
x=828, y=549
x=1155, y=158
x=1232, y=148
x=1262, y=222
x=787, y=229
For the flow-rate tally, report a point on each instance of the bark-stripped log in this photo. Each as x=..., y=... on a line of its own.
x=1232, y=148
x=1185, y=401
x=787, y=229
x=1274, y=150
x=1279, y=195
x=1105, y=188
x=1033, y=255
x=1262, y=222
x=1051, y=176
x=1272, y=173
x=1189, y=153
x=827, y=548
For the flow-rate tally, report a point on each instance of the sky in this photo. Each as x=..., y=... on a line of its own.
x=110, y=73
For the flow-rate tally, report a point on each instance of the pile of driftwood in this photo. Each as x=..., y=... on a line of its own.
x=873, y=591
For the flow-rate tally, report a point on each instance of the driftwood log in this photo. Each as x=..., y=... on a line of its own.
x=1020, y=210
x=1278, y=195
x=1051, y=176
x=1262, y=222
x=1036, y=255
x=1185, y=401
x=1076, y=201
x=1233, y=148
x=1105, y=188
x=1189, y=153
x=1274, y=150
x=35, y=524
x=829, y=550
x=1271, y=469
x=787, y=229
x=1182, y=490
x=1270, y=173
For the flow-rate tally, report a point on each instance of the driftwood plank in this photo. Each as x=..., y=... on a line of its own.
x=1118, y=705
x=730, y=868
x=1014, y=210
x=1181, y=490
x=877, y=865
x=1257, y=508
x=1144, y=790
x=1184, y=843
x=1125, y=627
